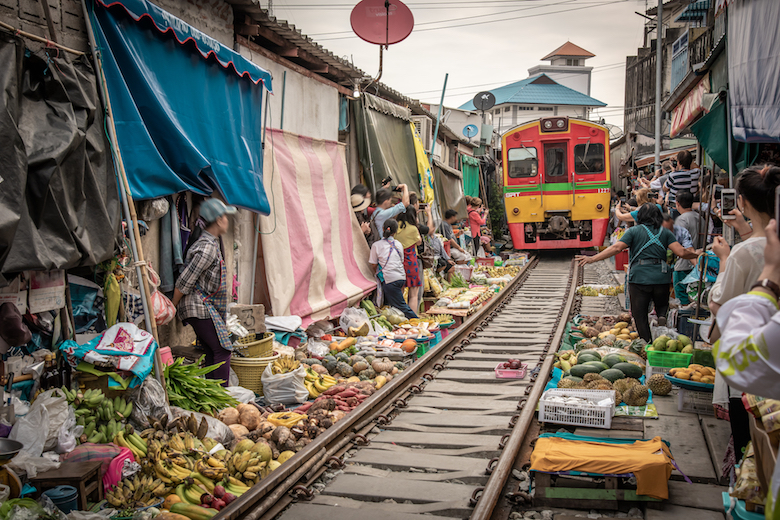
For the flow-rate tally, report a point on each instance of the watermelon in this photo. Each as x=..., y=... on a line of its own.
x=581, y=370
x=592, y=353
x=597, y=364
x=611, y=359
x=612, y=375
x=629, y=369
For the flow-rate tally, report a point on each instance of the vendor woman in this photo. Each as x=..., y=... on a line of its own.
x=202, y=289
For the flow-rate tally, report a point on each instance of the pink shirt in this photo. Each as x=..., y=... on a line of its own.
x=475, y=221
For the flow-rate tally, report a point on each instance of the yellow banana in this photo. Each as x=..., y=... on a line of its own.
x=320, y=387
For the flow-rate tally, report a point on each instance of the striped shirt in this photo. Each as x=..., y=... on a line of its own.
x=682, y=180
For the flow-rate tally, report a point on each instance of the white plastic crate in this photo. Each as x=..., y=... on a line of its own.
x=695, y=402
x=650, y=370
x=587, y=415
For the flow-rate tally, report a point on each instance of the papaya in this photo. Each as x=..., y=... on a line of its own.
x=170, y=500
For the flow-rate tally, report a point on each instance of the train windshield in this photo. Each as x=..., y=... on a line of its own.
x=555, y=162
x=589, y=158
x=523, y=162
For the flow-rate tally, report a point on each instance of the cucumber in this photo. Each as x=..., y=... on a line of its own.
x=629, y=369
x=581, y=370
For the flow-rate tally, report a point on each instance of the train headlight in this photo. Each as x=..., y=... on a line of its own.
x=561, y=123
x=599, y=207
x=548, y=124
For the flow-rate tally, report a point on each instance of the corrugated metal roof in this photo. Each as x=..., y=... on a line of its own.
x=569, y=49
x=539, y=90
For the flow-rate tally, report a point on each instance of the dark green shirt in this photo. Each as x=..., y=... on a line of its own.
x=649, y=273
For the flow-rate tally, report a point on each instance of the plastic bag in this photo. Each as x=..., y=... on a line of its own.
x=352, y=317
x=31, y=431
x=663, y=331
x=148, y=400
x=285, y=388
x=32, y=464
x=153, y=209
x=218, y=430
x=103, y=514
x=241, y=394
x=69, y=431
x=163, y=308
x=318, y=348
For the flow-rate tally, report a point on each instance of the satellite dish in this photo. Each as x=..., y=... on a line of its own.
x=484, y=101
x=470, y=131
x=382, y=22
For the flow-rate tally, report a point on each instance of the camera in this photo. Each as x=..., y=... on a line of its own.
x=396, y=188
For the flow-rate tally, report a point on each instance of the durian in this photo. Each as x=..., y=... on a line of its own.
x=636, y=396
x=659, y=385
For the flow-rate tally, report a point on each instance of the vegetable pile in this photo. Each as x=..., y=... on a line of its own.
x=188, y=389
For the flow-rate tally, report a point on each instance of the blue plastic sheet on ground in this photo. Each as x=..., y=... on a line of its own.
x=187, y=109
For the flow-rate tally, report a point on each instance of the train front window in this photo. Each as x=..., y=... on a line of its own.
x=589, y=158
x=523, y=162
x=555, y=162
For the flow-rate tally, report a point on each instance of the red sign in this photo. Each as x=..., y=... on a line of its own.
x=382, y=22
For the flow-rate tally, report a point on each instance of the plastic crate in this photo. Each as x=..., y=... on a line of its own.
x=736, y=508
x=687, y=328
x=695, y=402
x=650, y=370
x=487, y=262
x=586, y=415
x=511, y=373
x=668, y=359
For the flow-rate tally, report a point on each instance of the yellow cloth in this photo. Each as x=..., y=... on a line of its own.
x=423, y=167
x=650, y=461
x=408, y=236
x=113, y=296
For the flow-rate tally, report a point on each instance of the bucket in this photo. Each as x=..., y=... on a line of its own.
x=64, y=497
x=165, y=356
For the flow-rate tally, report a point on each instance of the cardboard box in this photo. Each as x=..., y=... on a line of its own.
x=252, y=317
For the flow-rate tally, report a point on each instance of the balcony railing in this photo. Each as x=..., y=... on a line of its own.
x=690, y=49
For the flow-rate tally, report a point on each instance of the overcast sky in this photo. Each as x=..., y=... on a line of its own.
x=482, y=44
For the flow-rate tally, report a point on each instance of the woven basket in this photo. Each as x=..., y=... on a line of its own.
x=252, y=347
x=250, y=371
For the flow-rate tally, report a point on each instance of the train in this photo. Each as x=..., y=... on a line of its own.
x=557, y=185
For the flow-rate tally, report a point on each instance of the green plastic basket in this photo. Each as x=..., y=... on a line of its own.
x=668, y=359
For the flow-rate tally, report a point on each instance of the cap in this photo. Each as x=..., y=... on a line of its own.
x=12, y=328
x=359, y=202
x=212, y=209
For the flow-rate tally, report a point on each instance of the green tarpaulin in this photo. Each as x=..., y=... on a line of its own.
x=385, y=142
x=712, y=132
x=448, y=184
x=470, y=168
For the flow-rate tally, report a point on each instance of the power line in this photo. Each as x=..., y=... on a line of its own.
x=600, y=68
x=465, y=17
x=495, y=21
x=344, y=7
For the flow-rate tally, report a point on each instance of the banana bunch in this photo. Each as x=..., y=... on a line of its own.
x=132, y=441
x=191, y=490
x=101, y=417
x=317, y=383
x=284, y=364
x=566, y=360
x=235, y=486
x=246, y=466
x=211, y=468
x=137, y=491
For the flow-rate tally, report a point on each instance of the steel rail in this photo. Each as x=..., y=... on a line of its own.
x=495, y=484
x=252, y=505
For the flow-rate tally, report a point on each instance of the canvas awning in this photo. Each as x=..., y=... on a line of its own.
x=187, y=109
x=385, y=143
x=316, y=258
x=448, y=183
x=694, y=11
x=690, y=108
x=712, y=133
x=644, y=160
x=754, y=70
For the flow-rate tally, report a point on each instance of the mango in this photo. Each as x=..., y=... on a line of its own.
x=685, y=340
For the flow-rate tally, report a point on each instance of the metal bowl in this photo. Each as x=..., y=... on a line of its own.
x=9, y=448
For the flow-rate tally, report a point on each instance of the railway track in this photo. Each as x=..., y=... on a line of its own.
x=442, y=438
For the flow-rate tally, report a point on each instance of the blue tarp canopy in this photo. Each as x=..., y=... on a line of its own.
x=186, y=108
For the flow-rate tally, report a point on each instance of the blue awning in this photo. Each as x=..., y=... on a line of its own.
x=695, y=11
x=187, y=109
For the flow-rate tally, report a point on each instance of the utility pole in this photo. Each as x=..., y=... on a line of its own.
x=270, y=7
x=658, y=81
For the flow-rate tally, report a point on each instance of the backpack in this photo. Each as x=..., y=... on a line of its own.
x=373, y=235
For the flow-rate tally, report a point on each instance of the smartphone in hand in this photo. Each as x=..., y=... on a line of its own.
x=728, y=201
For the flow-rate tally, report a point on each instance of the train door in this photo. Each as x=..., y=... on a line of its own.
x=556, y=168
x=522, y=188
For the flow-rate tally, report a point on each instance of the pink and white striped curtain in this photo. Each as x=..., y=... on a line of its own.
x=316, y=258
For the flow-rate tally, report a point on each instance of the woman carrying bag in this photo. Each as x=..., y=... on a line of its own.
x=649, y=275
x=202, y=289
x=387, y=260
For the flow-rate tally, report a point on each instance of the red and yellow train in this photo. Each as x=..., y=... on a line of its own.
x=557, y=183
